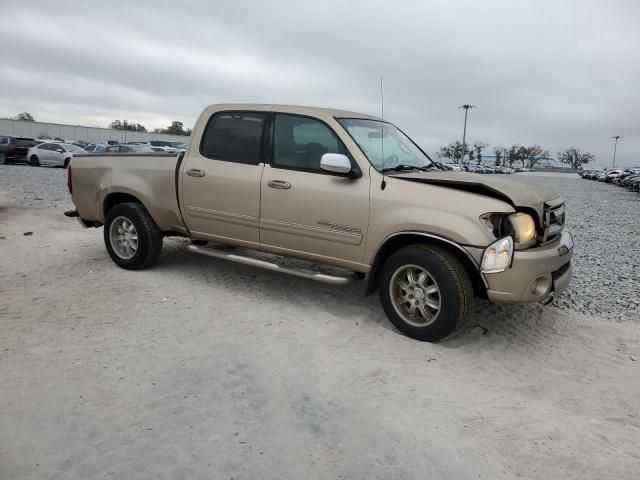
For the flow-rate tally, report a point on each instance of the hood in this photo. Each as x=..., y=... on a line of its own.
x=518, y=194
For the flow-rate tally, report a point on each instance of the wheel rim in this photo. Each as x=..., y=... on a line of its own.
x=415, y=295
x=123, y=237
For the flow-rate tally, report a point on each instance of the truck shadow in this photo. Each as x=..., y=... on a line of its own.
x=521, y=324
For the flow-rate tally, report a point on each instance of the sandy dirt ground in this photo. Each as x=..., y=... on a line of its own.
x=203, y=369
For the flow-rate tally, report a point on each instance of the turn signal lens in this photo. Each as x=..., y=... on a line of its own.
x=497, y=257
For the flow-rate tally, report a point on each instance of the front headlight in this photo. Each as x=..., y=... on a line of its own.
x=521, y=226
x=497, y=257
x=523, y=229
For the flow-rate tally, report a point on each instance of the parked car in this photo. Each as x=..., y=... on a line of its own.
x=53, y=154
x=15, y=149
x=321, y=190
x=95, y=148
x=128, y=149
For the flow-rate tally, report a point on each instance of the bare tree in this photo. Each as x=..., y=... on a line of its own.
x=574, y=157
x=478, y=147
x=498, y=152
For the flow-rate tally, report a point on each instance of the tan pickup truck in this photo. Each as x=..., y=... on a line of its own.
x=261, y=182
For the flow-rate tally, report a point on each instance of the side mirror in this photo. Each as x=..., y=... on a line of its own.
x=335, y=163
x=59, y=150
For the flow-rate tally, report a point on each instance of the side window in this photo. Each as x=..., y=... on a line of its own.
x=234, y=137
x=125, y=149
x=300, y=142
x=113, y=149
x=47, y=146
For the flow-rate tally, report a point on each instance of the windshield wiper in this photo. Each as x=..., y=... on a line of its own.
x=402, y=167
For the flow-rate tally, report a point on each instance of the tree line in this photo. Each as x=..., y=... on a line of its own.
x=176, y=128
x=526, y=156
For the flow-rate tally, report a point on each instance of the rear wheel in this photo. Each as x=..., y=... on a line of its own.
x=4, y=160
x=34, y=161
x=132, y=238
x=425, y=292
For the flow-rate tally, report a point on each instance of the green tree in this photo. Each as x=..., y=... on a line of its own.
x=176, y=128
x=25, y=117
x=125, y=125
x=574, y=157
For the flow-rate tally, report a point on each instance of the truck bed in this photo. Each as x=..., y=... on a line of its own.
x=150, y=178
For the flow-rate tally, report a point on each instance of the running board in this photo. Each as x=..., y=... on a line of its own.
x=254, y=262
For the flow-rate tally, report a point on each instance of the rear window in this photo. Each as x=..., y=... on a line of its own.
x=234, y=137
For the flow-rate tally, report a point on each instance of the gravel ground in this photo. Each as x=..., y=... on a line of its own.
x=604, y=220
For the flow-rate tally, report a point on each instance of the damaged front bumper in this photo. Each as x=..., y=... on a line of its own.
x=536, y=274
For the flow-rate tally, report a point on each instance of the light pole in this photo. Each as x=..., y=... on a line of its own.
x=464, y=131
x=615, y=147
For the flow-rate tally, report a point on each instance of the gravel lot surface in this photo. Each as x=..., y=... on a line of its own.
x=201, y=368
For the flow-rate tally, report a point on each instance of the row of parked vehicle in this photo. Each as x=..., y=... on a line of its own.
x=59, y=152
x=475, y=168
x=623, y=177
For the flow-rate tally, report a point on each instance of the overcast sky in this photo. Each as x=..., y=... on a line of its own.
x=556, y=73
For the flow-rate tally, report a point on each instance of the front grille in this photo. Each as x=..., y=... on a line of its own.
x=554, y=218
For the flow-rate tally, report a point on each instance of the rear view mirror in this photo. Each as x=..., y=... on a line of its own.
x=335, y=163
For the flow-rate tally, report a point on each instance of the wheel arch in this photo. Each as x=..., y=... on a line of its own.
x=116, y=198
x=402, y=239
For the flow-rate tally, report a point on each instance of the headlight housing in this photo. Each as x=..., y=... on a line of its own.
x=523, y=229
x=520, y=226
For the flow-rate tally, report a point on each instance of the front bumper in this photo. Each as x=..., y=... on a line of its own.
x=535, y=274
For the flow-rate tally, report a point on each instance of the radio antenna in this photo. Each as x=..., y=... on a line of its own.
x=384, y=183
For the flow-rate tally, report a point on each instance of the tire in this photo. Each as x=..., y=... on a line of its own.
x=4, y=160
x=66, y=162
x=148, y=244
x=443, y=270
x=34, y=161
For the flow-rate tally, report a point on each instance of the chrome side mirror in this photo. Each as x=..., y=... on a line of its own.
x=335, y=163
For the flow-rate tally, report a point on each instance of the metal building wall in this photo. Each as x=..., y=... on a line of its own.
x=19, y=128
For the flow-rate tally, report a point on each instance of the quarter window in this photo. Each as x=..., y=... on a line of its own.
x=234, y=137
x=300, y=142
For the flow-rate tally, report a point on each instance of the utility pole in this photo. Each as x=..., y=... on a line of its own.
x=615, y=147
x=464, y=132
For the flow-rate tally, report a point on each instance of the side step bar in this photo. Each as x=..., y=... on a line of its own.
x=304, y=273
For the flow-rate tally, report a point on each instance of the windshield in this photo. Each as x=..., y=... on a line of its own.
x=74, y=148
x=384, y=145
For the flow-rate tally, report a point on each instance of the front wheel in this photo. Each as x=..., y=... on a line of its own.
x=34, y=161
x=4, y=160
x=425, y=292
x=132, y=238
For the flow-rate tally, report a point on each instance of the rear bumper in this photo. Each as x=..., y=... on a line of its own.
x=535, y=274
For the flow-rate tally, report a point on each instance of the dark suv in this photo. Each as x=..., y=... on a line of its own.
x=15, y=148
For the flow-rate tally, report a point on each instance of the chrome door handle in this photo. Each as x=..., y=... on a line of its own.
x=281, y=184
x=194, y=172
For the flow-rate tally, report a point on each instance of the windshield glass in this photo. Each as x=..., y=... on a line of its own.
x=384, y=145
x=74, y=148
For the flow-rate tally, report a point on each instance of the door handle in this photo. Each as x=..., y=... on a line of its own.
x=194, y=172
x=281, y=184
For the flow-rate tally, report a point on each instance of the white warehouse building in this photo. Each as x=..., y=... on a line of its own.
x=19, y=128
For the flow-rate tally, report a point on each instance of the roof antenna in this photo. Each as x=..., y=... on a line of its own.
x=384, y=182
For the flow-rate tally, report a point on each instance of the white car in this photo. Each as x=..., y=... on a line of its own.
x=53, y=154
